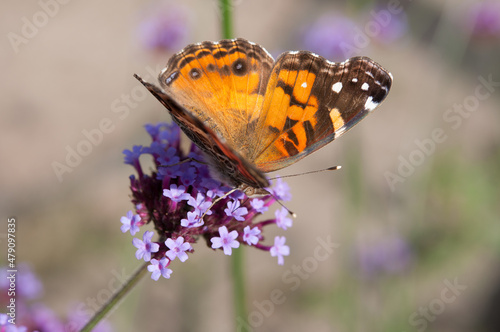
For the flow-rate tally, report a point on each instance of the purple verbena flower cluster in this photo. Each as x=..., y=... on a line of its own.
x=177, y=198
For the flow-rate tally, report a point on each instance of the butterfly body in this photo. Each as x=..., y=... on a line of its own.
x=252, y=115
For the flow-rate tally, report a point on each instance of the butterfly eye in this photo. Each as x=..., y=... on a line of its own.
x=195, y=73
x=239, y=67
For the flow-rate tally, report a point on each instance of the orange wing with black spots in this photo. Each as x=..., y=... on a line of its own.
x=251, y=115
x=222, y=84
x=310, y=101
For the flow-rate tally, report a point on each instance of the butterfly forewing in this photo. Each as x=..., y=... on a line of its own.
x=310, y=101
x=228, y=163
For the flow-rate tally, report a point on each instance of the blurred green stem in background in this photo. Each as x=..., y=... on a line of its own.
x=226, y=9
x=116, y=298
x=237, y=265
x=237, y=260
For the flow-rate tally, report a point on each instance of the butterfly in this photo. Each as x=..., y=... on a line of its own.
x=251, y=115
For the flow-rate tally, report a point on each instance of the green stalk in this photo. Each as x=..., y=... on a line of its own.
x=116, y=298
x=237, y=268
x=237, y=258
x=227, y=18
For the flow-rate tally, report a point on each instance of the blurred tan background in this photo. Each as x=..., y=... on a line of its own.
x=398, y=240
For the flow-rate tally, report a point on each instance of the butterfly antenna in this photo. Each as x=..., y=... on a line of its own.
x=290, y=212
x=332, y=168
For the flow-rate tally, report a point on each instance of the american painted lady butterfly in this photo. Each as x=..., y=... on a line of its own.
x=252, y=115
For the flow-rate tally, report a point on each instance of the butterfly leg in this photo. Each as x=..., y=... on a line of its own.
x=215, y=201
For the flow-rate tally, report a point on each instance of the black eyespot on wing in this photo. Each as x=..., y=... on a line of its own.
x=239, y=67
x=195, y=73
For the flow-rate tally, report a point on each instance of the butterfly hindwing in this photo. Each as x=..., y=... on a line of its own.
x=310, y=101
x=222, y=83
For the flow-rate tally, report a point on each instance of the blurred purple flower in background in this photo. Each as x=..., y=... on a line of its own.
x=5, y=326
x=328, y=36
x=165, y=28
x=484, y=19
x=337, y=37
x=31, y=288
x=387, y=27
x=184, y=203
x=35, y=316
x=389, y=255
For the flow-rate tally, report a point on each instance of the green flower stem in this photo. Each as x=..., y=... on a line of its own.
x=237, y=268
x=227, y=18
x=116, y=298
x=237, y=261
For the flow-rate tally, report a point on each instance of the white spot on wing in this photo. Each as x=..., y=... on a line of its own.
x=369, y=73
x=336, y=87
x=365, y=86
x=354, y=80
x=390, y=74
x=339, y=132
x=163, y=71
x=304, y=85
x=293, y=52
x=370, y=105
